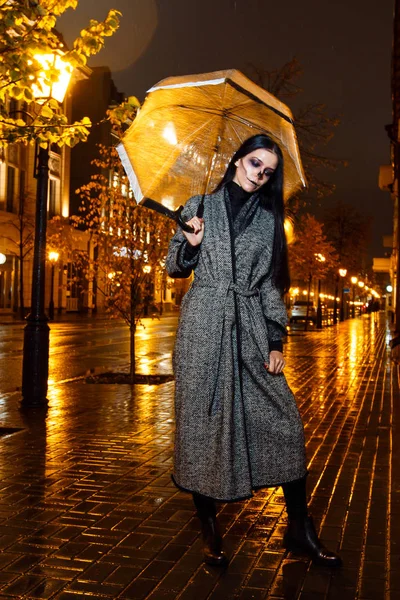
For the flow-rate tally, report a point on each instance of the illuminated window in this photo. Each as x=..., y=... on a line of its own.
x=10, y=195
x=54, y=198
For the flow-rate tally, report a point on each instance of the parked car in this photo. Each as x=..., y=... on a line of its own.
x=298, y=311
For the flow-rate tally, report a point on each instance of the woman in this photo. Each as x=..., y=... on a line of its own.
x=237, y=424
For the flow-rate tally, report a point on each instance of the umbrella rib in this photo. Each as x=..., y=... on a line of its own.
x=222, y=113
x=259, y=101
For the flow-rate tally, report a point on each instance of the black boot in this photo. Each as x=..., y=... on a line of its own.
x=301, y=535
x=213, y=552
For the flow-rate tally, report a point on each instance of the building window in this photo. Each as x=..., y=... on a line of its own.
x=10, y=189
x=21, y=191
x=54, y=198
x=13, y=107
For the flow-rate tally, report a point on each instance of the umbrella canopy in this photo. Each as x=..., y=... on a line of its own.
x=188, y=129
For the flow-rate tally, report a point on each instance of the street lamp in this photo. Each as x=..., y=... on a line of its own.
x=342, y=273
x=354, y=280
x=35, y=363
x=53, y=258
x=289, y=230
x=335, y=300
x=361, y=285
x=58, y=87
x=147, y=291
x=320, y=258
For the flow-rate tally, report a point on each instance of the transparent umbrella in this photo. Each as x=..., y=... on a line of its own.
x=188, y=129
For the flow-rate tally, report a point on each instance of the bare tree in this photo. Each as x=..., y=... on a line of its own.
x=349, y=232
x=314, y=126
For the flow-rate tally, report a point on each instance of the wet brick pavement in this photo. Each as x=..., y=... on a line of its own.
x=88, y=510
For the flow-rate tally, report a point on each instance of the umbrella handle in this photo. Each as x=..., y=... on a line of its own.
x=175, y=215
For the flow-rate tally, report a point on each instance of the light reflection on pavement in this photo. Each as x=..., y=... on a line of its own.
x=90, y=345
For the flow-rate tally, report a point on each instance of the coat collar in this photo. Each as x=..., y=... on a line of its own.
x=245, y=216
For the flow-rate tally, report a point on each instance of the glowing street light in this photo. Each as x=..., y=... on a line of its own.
x=342, y=273
x=58, y=88
x=353, y=280
x=53, y=258
x=147, y=288
x=289, y=230
x=320, y=258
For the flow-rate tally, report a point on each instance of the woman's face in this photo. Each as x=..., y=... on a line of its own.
x=254, y=169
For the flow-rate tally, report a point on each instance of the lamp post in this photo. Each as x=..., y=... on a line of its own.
x=320, y=258
x=35, y=362
x=146, y=307
x=335, y=300
x=354, y=281
x=53, y=258
x=361, y=285
x=342, y=273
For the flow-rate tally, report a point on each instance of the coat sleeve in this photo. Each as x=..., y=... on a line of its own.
x=182, y=257
x=274, y=311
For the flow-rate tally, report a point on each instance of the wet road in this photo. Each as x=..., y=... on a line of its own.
x=90, y=345
x=88, y=508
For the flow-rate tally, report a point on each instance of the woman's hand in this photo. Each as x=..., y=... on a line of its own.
x=276, y=362
x=196, y=237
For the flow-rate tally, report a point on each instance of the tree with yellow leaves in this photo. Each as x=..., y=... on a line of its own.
x=129, y=242
x=310, y=255
x=27, y=35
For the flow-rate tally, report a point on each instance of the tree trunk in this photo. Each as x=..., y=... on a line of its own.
x=21, y=287
x=132, y=331
x=335, y=300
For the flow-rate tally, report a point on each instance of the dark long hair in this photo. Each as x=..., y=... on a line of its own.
x=271, y=198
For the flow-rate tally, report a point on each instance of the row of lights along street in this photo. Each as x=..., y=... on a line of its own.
x=357, y=284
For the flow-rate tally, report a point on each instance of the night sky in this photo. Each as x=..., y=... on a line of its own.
x=344, y=48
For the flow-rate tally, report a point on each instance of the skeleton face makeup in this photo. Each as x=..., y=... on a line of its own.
x=254, y=169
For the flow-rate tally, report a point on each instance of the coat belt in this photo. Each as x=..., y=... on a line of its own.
x=254, y=319
x=228, y=286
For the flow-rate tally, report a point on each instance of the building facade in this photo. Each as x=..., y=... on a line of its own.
x=93, y=97
x=17, y=218
x=90, y=94
x=390, y=177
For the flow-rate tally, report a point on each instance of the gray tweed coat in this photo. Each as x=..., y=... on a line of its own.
x=237, y=426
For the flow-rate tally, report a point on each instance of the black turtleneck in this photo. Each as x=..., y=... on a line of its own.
x=238, y=197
